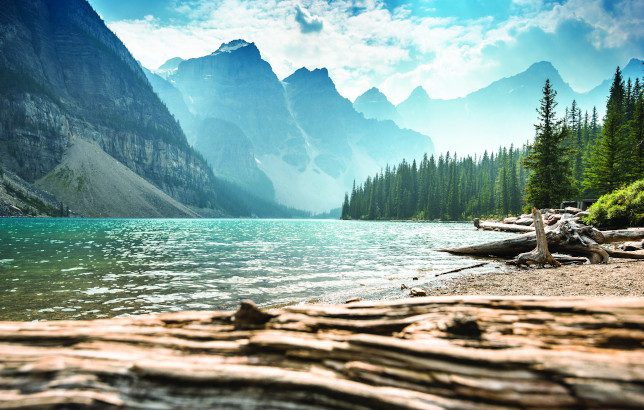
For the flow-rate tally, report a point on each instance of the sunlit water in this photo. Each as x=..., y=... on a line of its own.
x=88, y=268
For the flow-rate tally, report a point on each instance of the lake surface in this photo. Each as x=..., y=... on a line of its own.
x=89, y=268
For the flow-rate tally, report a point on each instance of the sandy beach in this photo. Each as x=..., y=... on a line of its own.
x=617, y=278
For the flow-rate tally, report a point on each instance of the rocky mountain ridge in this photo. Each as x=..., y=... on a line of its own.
x=306, y=138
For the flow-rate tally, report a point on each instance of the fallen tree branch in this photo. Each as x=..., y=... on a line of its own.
x=478, y=265
x=447, y=352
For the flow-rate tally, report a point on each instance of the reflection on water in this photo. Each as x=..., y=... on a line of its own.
x=87, y=268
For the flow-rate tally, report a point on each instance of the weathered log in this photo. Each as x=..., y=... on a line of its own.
x=567, y=236
x=625, y=254
x=622, y=235
x=447, y=352
x=540, y=255
x=498, y=226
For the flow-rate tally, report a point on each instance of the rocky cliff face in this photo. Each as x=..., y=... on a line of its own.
x=63, y=74
x=235, y=84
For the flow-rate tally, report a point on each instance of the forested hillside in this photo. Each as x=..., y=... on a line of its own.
x=571, y=157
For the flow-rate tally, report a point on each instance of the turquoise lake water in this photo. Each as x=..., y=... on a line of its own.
x=89, y=268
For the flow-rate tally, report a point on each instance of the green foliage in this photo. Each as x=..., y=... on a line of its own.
x=617, y=156
x=550, y=159
x=450, y=188
x=621, y=208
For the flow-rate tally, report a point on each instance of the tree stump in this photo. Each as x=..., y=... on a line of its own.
x=420, y=353
x=540, y=255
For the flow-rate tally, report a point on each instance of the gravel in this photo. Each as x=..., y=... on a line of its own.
x=618, y=278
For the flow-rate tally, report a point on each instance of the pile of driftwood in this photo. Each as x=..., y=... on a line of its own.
x=563, y=233
x=447, y=352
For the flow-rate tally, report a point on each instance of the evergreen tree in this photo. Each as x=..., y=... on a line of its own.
x=550, y=180
x=611, y=160
x=345, y=208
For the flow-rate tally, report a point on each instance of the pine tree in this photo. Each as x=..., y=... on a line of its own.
x=550, y=180
x=345, y=207
x=611, y=158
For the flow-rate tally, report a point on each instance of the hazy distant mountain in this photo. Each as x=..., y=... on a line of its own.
x=169, y=67
x=340, y=132
x=306, y=138
x=78, y=115
x=230, y=153
x=374, y=104
x=499, y=114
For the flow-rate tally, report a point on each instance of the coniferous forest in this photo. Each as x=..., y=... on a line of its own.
x=573, y=156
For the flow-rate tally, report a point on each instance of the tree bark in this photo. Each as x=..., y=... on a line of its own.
x=423, y=353
x=540, y=255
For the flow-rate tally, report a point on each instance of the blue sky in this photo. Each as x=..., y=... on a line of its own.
x=450, y=47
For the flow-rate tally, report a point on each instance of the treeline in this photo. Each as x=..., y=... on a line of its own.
x=449, y=188
x=571, y=157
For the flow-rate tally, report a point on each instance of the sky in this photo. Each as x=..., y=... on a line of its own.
x=450, y=47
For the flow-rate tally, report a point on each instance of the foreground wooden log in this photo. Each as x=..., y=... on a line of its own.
x=447, y=352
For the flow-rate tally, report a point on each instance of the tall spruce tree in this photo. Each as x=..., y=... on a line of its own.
x=611, y=158
x=551, y=178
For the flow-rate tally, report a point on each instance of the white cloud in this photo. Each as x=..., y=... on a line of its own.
x=393, y=49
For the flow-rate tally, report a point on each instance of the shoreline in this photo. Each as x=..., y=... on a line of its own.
x=617, y=278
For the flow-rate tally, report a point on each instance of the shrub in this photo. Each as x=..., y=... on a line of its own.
x=620, y=208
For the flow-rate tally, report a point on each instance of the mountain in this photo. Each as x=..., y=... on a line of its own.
x=374, y=104
x=230, y=153
x=342, y=135
x=236, y=85
x=67, y=83
x=169, y=67
x=296, y=138
x=499, y=114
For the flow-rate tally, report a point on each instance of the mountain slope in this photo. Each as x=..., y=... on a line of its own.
x=173, y=99
x=93, y=183
x=230, y=153
x=64, y=74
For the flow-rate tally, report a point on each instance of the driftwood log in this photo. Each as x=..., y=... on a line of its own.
x=567, y=236
x=430, y=353
x=500, y=226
